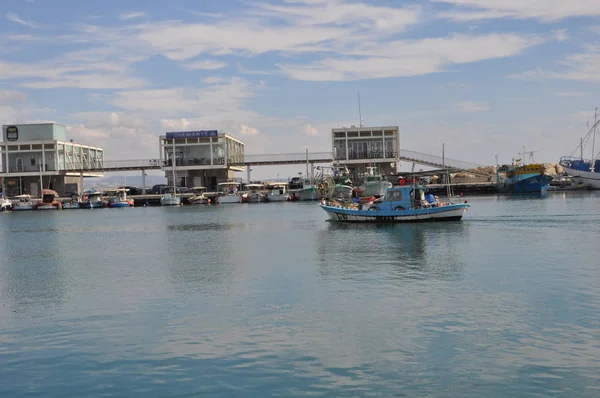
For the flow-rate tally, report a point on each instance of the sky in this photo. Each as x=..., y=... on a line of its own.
x=482, y=77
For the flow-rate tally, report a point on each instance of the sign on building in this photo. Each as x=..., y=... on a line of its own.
x=12, y=133
x=193, y=134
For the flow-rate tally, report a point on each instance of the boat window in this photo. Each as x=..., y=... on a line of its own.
x=393, y=195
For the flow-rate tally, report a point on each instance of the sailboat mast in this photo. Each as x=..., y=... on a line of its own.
x=359, y=112
x=594, y=141
x=173, y=166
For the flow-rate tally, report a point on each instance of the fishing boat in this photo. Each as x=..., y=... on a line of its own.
x=522, y=178
x=49, y=201
x=585, y=170
x=23, y=203
x=198, y=197
x=373, y=184
x=254, y=193
x=120, y=199
x=229, y=193
x=73, y=203
x=308, y=191
x=277, y=192
x=401, y=204
x=93, y=199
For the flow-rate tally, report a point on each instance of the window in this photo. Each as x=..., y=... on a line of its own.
x=33, y=161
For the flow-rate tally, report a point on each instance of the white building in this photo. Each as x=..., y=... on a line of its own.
x=202, y=158
x=360, y=147
x=40, y=156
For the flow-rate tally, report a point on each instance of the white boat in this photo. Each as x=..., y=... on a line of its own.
x=308, y=191
x=5, y=204
x=278, y=192
x=582, y=170
x=230, y=193
x=199, y=198
x=373, y=184
x=24, y=203
x=254, y=193
x=171, y=198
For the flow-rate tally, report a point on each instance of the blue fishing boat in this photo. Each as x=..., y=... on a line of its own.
x=400, y=204
x=93, y=200
x=522, y=178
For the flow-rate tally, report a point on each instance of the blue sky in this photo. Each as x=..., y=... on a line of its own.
x=484, y=77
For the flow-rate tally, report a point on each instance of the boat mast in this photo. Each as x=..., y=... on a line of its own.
x=41, y=181
x=594, y=141
x=307, y=175
x=173, y=166
x=359, y=112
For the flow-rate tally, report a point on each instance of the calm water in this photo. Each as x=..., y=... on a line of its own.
x=272, y=300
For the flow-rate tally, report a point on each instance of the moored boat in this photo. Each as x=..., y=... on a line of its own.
x=49, y=201
x=308, y=191
x=73, y=203
x=5, y=204
x=229, y=193
x=373, y=184
x=278, y=192
x=254, y=193
x=400, y=204
x=23, y=203
x=93, y=200
x=120, y=199
x=198, y=197
x=585, y=170
x=522, y=178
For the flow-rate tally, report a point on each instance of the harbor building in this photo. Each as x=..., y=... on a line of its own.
x=360, y=147
x=40, y=156
x=202, y=158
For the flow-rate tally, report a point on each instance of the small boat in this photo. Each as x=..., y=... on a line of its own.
x=170, y=198
x=400, y=204
x=585, y=170
x=120, y=199
x=73, y=203
x=343, y=183
x=93, y=200
x=5, y=204
x=567, y=183
x=198, y=197
x=373, y=184
x=254, y=193
x=49, y=201
x=230, y=193
x=24, y=203
x=278, y=192
x=308, y=191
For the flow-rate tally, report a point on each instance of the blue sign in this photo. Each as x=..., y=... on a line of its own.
x=193, y=134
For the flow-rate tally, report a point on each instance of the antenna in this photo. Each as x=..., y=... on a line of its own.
x=359, y=112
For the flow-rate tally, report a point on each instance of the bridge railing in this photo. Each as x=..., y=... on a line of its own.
x=285, y=157
x=112, y=164
x=437, y=160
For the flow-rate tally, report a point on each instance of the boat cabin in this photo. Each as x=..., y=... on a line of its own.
x=404, y=198
x=198, y=190
x=229, y=187
x=278, y=188
x=25, y=198
x=49, y=196
x=254, y=187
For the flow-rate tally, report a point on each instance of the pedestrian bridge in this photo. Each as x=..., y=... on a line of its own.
x=279, y=159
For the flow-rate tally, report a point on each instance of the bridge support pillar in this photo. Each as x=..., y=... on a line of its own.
x=248, y=170
x=80, y=185
x=143, y=182
x=312, y=171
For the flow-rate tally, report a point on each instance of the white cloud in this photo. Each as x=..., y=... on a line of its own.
x=543, y=10
x=456, y=85
x=12, y=96
x=206, y=64
x=411, y=57
x=247, y=130
x=131, y=15
x=310, y=130
x=471, y=106
x=213, y=80
x=11, y=16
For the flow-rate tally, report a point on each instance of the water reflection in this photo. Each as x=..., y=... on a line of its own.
x=32, y=263
x=408, y=251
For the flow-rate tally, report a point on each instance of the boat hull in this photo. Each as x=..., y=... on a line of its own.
x=70, y=206
x=23, y=208
x=95, y=205
x=444, y=213
x=120, y=204
x=584, y=177
x=277, y=198
x=534, y=184
x=48, y=207
x=229, y=199
x=307, y=194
